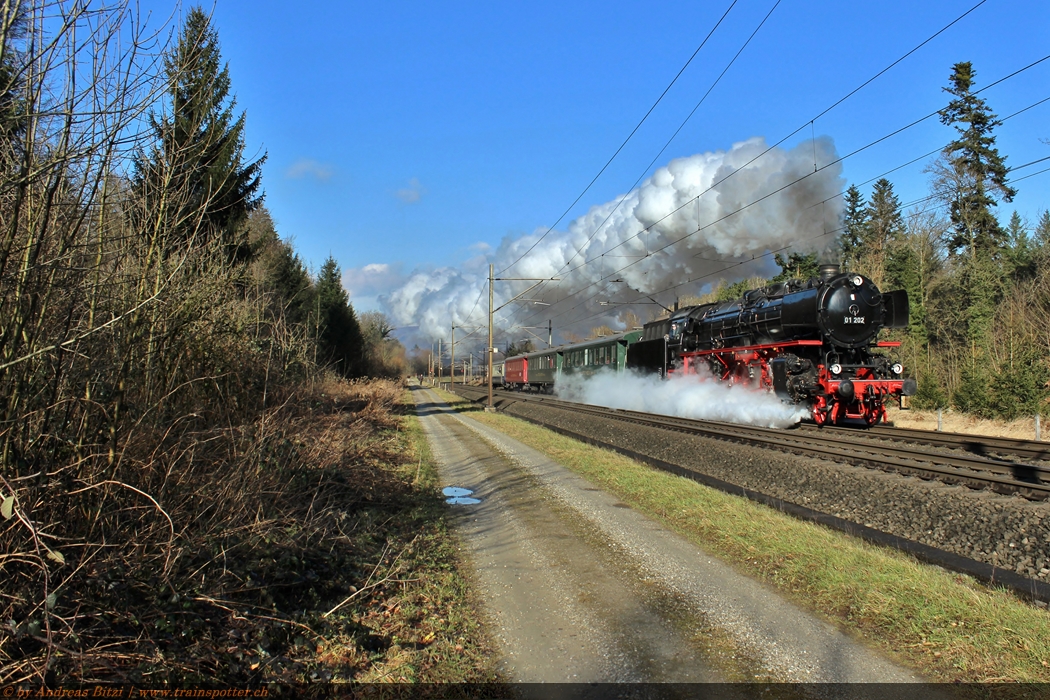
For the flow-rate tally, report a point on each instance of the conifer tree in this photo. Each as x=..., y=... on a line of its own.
x=883, y=230
x=13, y=118
x=973, y=174
x=1019, y=256
x=971, y=177
x=883, y=222
x=854, y=218
x=340, y=343
x=1041, y=241
x=196, y=174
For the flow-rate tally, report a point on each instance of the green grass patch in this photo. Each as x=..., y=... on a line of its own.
x=947, y=626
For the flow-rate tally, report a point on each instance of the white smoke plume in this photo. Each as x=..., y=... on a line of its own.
x=688, y=396
x=796, y=216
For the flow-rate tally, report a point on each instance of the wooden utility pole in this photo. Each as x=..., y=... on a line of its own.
x=452, y=349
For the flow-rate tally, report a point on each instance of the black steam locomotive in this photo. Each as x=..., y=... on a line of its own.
x=813, y=342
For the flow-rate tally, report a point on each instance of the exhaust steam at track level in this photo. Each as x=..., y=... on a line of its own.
x=630, y=231
x=688, y=396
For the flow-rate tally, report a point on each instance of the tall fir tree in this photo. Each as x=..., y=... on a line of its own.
x=13, y=117
x=340, y=343
x=883, y=223
x=196, y=175
x=1041, y=241
x=1019, y=257
x=972, y=178
x=854, y=219
x=974, y=167
x=883, y=230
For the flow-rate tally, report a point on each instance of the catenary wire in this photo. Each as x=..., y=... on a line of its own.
x=821, y=114
x=766, y=196
x=629, y=136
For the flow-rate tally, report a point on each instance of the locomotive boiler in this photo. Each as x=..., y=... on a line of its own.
x=813, y=342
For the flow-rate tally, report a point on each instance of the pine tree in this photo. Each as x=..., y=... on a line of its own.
x=854, y=219
x=883, y=230
x=280, y=270
x=13, y=117
x=340, y=343
x=971, y=178
x=1019, y=256
x=196, y=174
x=884, y=222
x=1041, y=241
x=973, y=174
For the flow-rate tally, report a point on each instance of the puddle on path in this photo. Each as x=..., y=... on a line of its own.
x=459, y=496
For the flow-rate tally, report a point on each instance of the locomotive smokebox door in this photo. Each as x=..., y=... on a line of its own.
x=780, y=378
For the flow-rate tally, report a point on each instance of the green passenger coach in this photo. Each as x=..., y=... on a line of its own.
x=588, y=358
x=541, y=371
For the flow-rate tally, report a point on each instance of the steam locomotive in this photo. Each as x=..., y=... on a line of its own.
x=813, y=342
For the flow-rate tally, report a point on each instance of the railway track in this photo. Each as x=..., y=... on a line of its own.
x=1005, y=466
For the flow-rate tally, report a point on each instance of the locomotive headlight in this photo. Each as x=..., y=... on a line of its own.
x=857, y=280
x=836, y=369
x=897, y=368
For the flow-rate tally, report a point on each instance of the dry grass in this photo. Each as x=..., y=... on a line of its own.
x=954, y=422
x=304, y=546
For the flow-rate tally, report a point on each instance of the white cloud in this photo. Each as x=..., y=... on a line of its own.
x=411, y=194
x=307, y=167
x=372, y=280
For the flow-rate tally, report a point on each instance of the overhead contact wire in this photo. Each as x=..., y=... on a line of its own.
x=629, y=137
x=821, y=114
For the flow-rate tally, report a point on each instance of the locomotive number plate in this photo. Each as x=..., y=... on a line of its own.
x=853, y=319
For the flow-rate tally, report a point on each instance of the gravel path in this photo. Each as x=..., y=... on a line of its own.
x=581, y=588
x=1005, y=531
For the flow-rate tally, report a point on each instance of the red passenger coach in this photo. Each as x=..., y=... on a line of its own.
x=516, y=371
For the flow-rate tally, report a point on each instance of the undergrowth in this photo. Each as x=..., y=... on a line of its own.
x=308, y=545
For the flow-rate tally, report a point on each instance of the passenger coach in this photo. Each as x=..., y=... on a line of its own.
x=540, y=371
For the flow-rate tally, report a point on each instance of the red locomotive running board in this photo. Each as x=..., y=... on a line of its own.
x=776, y=347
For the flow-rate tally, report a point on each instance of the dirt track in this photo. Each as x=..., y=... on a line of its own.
x=579, y=588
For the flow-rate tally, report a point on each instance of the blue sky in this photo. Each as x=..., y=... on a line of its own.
x=418, y=135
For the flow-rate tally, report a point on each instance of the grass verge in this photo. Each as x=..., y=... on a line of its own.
x=947, y=626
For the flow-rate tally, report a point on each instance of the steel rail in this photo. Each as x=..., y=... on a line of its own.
x=975, y=470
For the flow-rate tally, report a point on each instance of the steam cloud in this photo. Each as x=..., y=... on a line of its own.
x=692, y=396
x=437, y=299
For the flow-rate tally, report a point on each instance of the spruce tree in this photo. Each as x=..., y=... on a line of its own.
x=1019, y=256
x=340, y=343
x=883, y=231
x=854, y=218
x=1041, y=241
x=972, y=178
x=196, y=175
x=976, y=174
x=13, y=117
x=884, y=223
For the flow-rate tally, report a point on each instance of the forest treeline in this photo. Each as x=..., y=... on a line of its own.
x=142, y=279
x=152, y=321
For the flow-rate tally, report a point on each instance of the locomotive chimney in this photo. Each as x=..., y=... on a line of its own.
x=828, y=270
